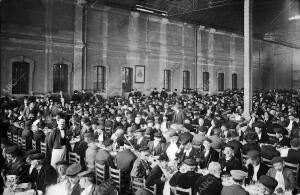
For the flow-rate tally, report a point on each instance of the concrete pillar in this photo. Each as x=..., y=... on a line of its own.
x=78, y=45
x=247, y=58
x=213, y=84
x=232, y=63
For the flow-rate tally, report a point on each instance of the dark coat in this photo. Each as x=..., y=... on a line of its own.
x=232, y=164
x=178, y=118
x=293, y=156
x=184, y=180
x=269, y=152
x=55, y=141
x=193, y=154
x=125, y=160
x=263, y=169
x=154, y=178
x=213, y=156
x=208, y=185
x=143, y=143
x=157, y=150
x=284, y=142
x=247, y=147
x=46, y=177
x=264, y=138
x=234, y=189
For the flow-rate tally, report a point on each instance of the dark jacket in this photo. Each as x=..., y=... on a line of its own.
x=208, y=185
x=142, y=144
x=232, y=164
x=184, y=180
x=289, y=178
x=154, y=178
x=178, y=118
x=46, y=177
x=213, y=156
x=181, y=156
x=157, y=150
x=125, y=160
x=293, y=156
x=263, y=169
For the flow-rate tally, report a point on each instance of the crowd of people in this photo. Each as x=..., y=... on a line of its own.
x=194, y=141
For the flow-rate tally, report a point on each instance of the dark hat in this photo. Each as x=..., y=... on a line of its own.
x=253, y=154
x=108, y=142
x=158, y=135
x=140, y=130
x=12, y=149
x=202, y=129
x=295, y=142
x=62, y=162
x=277, y=159
x=207, y=139
x=231, y=125
x=280, y=131
x=268, y=181
x=259, y=124
x=228, y=146
x=238, y=174
x=73, y=170
x=38, y=156
x=89, y=174
x=163, y=157
x=185, y=137
x=190, y=162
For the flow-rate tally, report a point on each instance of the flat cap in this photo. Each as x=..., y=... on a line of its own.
x=238, y=174
x=190, y=162
x=37, y=156
x=295, y=142
x=73, y=169
x=140, y=130
x=268, y=181
x=185, y=137
x=277, y=159
x=253, y=154
x=259, y=124
x=89, y=174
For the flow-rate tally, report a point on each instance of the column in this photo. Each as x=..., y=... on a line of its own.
x=247, y=58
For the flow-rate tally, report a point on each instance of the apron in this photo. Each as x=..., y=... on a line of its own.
x=58, y=155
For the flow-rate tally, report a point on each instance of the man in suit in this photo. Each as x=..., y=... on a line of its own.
x=72, y=183
x=229, y=161
x=186, y=149
x=217, y=142
x=259, y=128
x=46, y=174
x=188, y=177
x=125, y=159
x=86, y=182
x=285, y=177
x=293, y=155
x=141, y=140
x=254, y=166
x=179, y=115
x=141, y=167
x=211, y=183
x=282, y=139
x=156, y=147
x=61, y=168
x=238, y=177
x=208, y=154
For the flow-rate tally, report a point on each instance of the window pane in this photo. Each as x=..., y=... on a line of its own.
x=60, y=77
x=234, y=81
x=205, y=81
x=186, y=79
x=20, y=78
x=127, y=79
x=221, y=81
x=167, y=79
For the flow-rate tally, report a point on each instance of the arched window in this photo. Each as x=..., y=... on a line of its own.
x=220, y=81
x=20, y=78
x=234, y=81
x=205, y=81
x=99, y=78
x=127, y=78
x=186, y=79
x=167, y=80
x=60, y=77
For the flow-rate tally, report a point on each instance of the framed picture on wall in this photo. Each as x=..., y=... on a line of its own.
x=139, y=73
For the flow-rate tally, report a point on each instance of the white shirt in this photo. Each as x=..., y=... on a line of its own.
x=187, y=152
x=171, y=151
x=87, y=190
x=62, y=133
x=259, y=136
x=255, y=170
x=140, y=140
x=30, y=169
x=279, y=178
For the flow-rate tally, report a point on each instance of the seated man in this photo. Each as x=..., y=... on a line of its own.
x=293, y=154
x=187, y=177
x=141, y=167
x=268, y=184
x=156, y=147
x=211, y=183
x=61, y=167
x=72, y=183
x=208, y=154
x=229, y=161
x=238, y=177
x=254, y=166
x=186, y=150
x=86, y=182
x=285, y=177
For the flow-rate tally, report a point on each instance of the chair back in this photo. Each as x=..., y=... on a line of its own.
x=43, y=147
x=73, y=158
x=19, y=141
x=136, y=183
x=294, y=168
x=267, y=162
x=99, y=173
x=9, y=136
x=23, y=144
x=180, y=191
x=15, y=139
x=115, y=176
x=33, y=144
x=151, y=189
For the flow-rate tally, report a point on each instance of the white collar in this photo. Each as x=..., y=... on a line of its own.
x=87, y=190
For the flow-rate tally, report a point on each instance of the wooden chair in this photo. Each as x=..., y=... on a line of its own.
x=33, y=144
x=136, y=183
x=23, y=144
x=294, y=168
x=9, y=136
x=43, y=147
x=151, y=189
x=99, y=173
x=115, y=176
x=19, y=141
x=180, y=191
x=73, y=158
x=15, y=139
x=267, y=162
